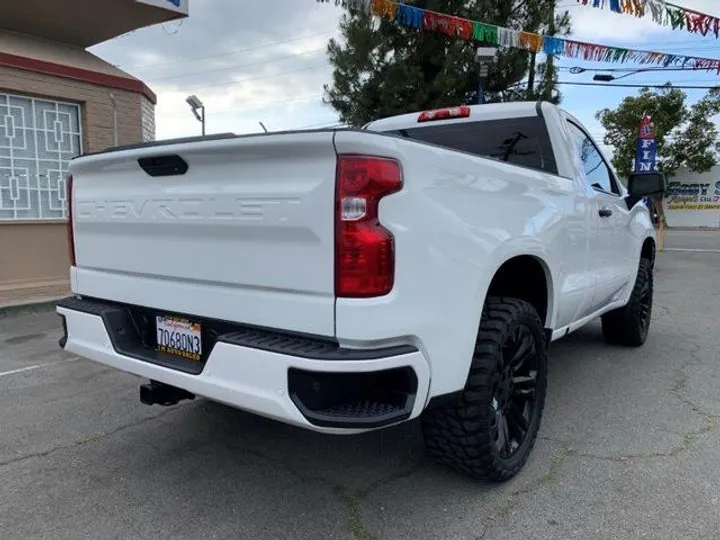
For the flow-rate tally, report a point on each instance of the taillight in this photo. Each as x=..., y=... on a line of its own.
x=71, y=238
x=444, y=114
x=364, y=249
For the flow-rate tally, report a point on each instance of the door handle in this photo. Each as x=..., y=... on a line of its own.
x=605, y=212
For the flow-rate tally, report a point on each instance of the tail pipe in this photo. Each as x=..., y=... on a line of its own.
x=162, y=394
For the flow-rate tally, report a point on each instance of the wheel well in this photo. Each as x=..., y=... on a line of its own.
x=523, y=277
x=648, y=251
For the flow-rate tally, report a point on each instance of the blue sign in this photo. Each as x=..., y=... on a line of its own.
x=175, y=3
x=646, y=149
x=646, y=155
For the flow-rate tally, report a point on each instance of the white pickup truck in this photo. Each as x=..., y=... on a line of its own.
x=347, y=280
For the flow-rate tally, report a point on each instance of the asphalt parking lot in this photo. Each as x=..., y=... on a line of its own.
x=629, y=447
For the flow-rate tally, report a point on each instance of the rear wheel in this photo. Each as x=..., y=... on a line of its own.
x=491, y=431
x=629, y=324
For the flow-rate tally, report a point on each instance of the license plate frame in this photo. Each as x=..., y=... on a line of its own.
x=179, y=337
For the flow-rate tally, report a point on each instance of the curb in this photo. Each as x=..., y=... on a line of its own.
x=31, y=307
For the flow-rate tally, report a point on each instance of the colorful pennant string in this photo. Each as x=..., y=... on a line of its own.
x=662, y=13
x=430, y=21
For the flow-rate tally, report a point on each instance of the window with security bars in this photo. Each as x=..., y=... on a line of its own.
x=38, y=138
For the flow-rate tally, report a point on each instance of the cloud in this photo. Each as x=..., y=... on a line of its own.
x=246, y=61
x=593, y=24
x=265, y=61
x=602, y=25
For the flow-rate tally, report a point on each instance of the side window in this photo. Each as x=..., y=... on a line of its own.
x=597, y=173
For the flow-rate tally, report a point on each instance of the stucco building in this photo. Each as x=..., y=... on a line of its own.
x=57, y=100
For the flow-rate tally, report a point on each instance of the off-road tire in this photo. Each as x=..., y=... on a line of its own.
x=629, y=325
x=461, y=436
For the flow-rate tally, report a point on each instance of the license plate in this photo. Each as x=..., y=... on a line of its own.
x=179, y=337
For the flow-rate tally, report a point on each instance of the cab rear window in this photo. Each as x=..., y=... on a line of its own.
x=520, y=141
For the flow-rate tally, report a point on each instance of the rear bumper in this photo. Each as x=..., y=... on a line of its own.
x=293, y=379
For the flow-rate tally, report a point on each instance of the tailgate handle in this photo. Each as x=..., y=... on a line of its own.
x=170, y=165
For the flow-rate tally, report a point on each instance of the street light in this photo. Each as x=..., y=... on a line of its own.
x=483, y=57
x=195, y=105
x=603, y=77
x=609, y=77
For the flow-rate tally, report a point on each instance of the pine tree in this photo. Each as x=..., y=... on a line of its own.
x=382, y=68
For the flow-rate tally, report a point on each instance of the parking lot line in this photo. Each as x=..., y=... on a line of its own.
x=698, y=250
x=36, y=366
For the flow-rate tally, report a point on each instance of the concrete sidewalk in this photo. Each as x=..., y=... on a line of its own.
x=34, y=295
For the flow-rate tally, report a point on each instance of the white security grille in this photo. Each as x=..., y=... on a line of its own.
x=38, y=138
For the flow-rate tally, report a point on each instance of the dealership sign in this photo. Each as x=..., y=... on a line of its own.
x=179, y=6
x=693, y=196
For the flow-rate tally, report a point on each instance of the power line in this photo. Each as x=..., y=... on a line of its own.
x=320, y=126
x=234, y=83
x=257, y=107
x=216, y=55
x=236, y=66
x=572, y=83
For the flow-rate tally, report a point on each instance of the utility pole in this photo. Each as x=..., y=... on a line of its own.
x=531, y=76
x=550, y=68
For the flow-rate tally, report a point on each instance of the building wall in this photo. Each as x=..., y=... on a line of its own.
x=148, y=119
x=95, y=103
x=33, y=247
x=693, y=200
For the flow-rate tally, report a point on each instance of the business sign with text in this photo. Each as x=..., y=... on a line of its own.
x=693, y=196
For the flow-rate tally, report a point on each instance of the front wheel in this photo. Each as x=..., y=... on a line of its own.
x=491, y=431
x=629, y=325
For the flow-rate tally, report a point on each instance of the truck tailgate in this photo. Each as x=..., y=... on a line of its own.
x=246, y=234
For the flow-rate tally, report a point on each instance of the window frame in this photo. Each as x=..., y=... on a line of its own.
x=35, y=128
x=611, y=175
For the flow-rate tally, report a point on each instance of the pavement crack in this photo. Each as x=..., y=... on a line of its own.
x=301, y=477
x=95, y=437
x=391, y=478
x=686, y=442
x=354, y=518
x=556, y=462
x=513, y=499
x=677, y=389
x=352, y=500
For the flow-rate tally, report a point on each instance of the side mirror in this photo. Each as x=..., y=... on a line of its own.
x=646, y=184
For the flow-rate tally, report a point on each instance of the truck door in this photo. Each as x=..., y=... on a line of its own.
x=608, y=209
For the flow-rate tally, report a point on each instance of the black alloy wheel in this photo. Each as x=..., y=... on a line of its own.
x=490, y=431
x=515, y=388
x=630, y=324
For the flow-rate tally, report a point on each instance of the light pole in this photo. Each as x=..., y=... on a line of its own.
x=195, y=106
x=483, y=57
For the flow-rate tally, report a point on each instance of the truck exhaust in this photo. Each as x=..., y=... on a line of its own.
x=162, y=394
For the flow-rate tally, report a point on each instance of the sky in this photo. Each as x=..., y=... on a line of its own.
x=252, y=62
